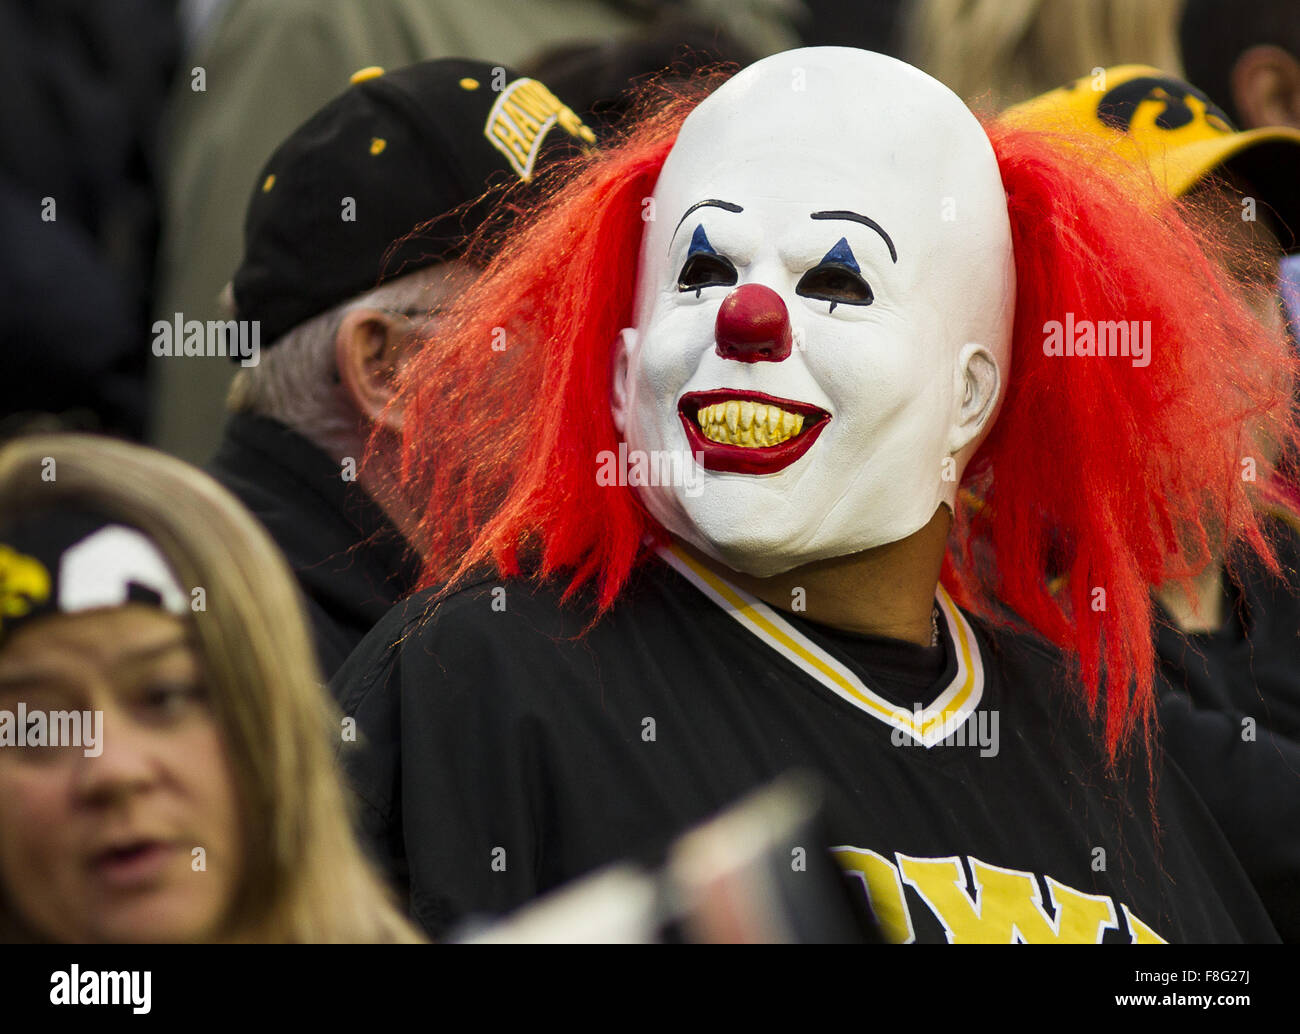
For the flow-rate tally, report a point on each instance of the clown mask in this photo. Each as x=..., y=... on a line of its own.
x=823, y=311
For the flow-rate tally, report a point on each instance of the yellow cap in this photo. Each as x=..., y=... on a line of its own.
x=1149, y=116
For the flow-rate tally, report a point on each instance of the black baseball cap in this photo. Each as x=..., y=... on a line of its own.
x=71, y=559
x=430, y=146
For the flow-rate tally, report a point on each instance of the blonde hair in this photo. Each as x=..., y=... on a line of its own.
x=304, y=877
x=993, y=53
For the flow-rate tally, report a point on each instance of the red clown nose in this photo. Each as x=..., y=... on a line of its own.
x=753, y=326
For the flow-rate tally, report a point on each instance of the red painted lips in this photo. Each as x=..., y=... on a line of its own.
x=749, y=459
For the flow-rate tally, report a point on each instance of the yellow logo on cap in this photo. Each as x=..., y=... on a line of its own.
x=362, y=74
x=24, y=583
x=520, y=119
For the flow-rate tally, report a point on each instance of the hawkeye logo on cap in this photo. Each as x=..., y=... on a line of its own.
x=24, y=583
x=1117, y=108
x=520, y=119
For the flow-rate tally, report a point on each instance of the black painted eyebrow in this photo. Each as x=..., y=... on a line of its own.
x=854, y=217
x=726, y=206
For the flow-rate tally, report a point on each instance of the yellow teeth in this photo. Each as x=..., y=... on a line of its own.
x=750, y=424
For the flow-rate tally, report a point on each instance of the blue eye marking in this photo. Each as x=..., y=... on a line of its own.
x=700, y=243
x=842, y=255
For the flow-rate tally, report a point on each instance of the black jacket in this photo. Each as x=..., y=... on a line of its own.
x=351, y=563
x=1230, y=716
x=1251, y=666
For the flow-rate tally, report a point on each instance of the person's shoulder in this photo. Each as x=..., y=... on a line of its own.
x=525, y=610
x=491, y=627
x=494, y=614
x=517, y=640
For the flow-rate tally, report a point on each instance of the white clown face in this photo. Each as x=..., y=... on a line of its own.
x=823, y=312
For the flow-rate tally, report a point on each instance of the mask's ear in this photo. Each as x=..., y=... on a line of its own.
x=979, y=383
x=620, y=390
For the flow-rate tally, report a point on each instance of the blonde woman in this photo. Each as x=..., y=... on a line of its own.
x=992, y=53
x=196, y=799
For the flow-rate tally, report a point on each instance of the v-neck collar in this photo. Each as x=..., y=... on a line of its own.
x=951, y=706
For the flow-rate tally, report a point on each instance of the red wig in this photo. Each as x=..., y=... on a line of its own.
x=1117, y=477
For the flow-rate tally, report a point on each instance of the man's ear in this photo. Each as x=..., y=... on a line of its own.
x=369, y=350
x=1265, y=84
x=979, y=383
x=620, y=389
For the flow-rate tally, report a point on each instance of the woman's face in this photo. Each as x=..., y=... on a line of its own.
x=137, y=838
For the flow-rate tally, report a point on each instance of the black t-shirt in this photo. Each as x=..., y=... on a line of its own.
x=507, y=748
